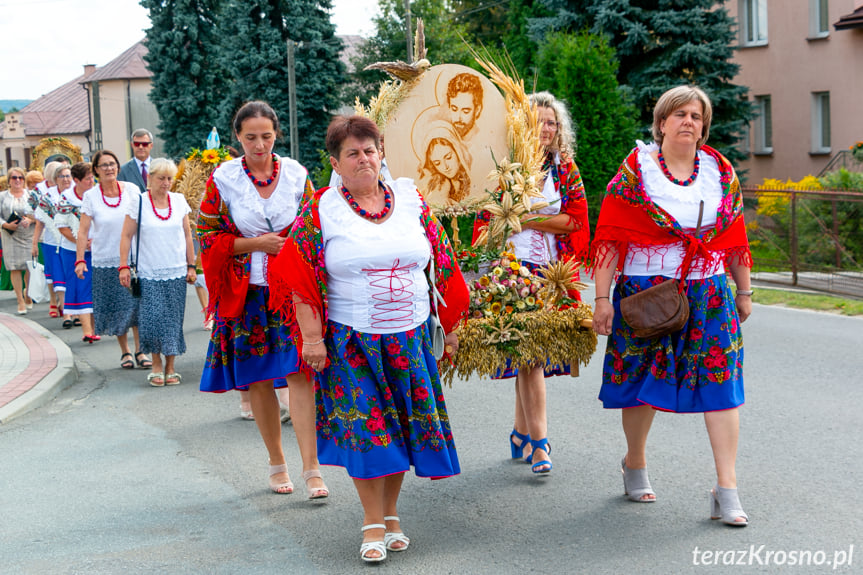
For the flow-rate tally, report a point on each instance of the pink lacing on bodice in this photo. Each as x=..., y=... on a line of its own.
x=537, y=246
x=391, y=296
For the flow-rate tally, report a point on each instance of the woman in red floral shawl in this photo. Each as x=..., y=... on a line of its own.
x=559, y=231
x=355, y=266
x=249, y=205
x=675, y=210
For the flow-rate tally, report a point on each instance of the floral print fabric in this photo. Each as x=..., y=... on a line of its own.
x=380, y=407
x=697, y=369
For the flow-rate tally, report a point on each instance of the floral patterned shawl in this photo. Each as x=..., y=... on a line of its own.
x=300, y=267
x=628, y=216
x=227, y=275
x=568, y=183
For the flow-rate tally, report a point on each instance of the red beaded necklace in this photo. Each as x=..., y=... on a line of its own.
x=75, y=191
x=104, y=199
x=258, y=182
x=388, y=203
x=674, y=180
x=152, y=203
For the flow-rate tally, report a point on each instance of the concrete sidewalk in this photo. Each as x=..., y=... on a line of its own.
x=35, y=365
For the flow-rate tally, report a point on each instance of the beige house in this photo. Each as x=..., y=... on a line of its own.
x=119, y=103
x=97, y=110
x=803, y=63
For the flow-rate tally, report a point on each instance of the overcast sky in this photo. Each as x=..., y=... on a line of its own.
x=45, y=43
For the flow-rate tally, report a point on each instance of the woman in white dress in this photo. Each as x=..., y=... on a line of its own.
x=158, y=225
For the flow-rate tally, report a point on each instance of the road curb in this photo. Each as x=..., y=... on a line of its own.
x=62, y=376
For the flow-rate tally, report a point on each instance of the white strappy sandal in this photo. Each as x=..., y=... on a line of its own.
x=391, y=537
x=378, y=546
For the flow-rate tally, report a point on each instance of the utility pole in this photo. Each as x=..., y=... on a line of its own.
x=292, y=102
x=410, y=58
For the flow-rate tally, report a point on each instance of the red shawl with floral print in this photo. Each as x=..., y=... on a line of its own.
x=300, y=268
x=630, y=218
x=227, y=274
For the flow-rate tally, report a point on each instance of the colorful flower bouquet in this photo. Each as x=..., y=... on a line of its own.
x=195, y=170
x=857, y=151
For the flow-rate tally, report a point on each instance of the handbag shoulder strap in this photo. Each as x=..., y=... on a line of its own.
x=138, y=232
x=436, y=296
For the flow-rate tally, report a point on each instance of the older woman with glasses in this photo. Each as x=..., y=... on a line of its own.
x=103, y=212
x=46, y=238
x=16, y=221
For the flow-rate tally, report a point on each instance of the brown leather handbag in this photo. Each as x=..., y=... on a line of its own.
x=662, y=309
x=656, y=311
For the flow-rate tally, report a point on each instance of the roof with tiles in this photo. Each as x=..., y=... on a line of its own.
x=127, y=66
x=61, y=111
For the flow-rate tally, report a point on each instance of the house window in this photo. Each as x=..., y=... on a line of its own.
x=819, y=19
x=763, y=125
x=821, y=122
x=753, y=22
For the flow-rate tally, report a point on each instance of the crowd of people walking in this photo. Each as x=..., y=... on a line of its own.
x=337, y=294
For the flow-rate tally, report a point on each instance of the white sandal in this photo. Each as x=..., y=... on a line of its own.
x=378, y=546
x=391, y=537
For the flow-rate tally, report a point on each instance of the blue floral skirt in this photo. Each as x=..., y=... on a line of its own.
x=163, y=308
x=380, y=407
x=256, y=347
x=114, y=308
x=697, y=369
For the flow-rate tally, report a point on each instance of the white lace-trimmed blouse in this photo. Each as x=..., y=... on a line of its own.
x=682, y=203
x=162, y=253
x=376, y=280
x=106, y=226
x=251, y=212
x=68, y=220
x=50, y=235
x=536, y=246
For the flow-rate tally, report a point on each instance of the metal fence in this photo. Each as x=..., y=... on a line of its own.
x=807, y=238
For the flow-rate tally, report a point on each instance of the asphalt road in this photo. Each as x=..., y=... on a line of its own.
x=117, y=477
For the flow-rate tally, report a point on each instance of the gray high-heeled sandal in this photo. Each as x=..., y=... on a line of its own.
x=725, y=505
x=636, y=483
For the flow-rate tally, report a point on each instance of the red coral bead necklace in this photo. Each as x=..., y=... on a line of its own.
x=153, y=204
x=104, y=199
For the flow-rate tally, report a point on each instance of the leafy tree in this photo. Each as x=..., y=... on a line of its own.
x=662, y=44
x=581, y=70
x=186, y=85
x=254, y=54
x=443, y=38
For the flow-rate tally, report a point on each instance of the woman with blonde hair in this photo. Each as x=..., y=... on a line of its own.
x=158, y=224
x=16, y=221
x=674, y=212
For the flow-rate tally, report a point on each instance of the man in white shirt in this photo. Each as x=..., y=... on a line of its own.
x=137, y=169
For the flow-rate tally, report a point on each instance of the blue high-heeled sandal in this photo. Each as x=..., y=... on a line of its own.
x=518, y=450
x=540, y=444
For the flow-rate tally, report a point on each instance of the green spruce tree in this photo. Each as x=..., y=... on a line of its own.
x=581, y=70
x=254, y=54
x=662, y=44
x=443, y=38
x=182, y=43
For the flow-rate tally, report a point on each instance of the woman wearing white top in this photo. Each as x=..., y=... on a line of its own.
x=165, y=263
x=247, y=209
x=46, y=238
x=79, y=289
x=355, y=268
x=103, y=212
x=675, y=212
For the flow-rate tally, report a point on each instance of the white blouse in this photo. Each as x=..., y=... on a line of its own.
x=682, y=203
x=106, y=226
x=536, y=246
x=68, y=220
x=162, y=253
x=50, y=235
x=376, y=280
x=254, y=215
